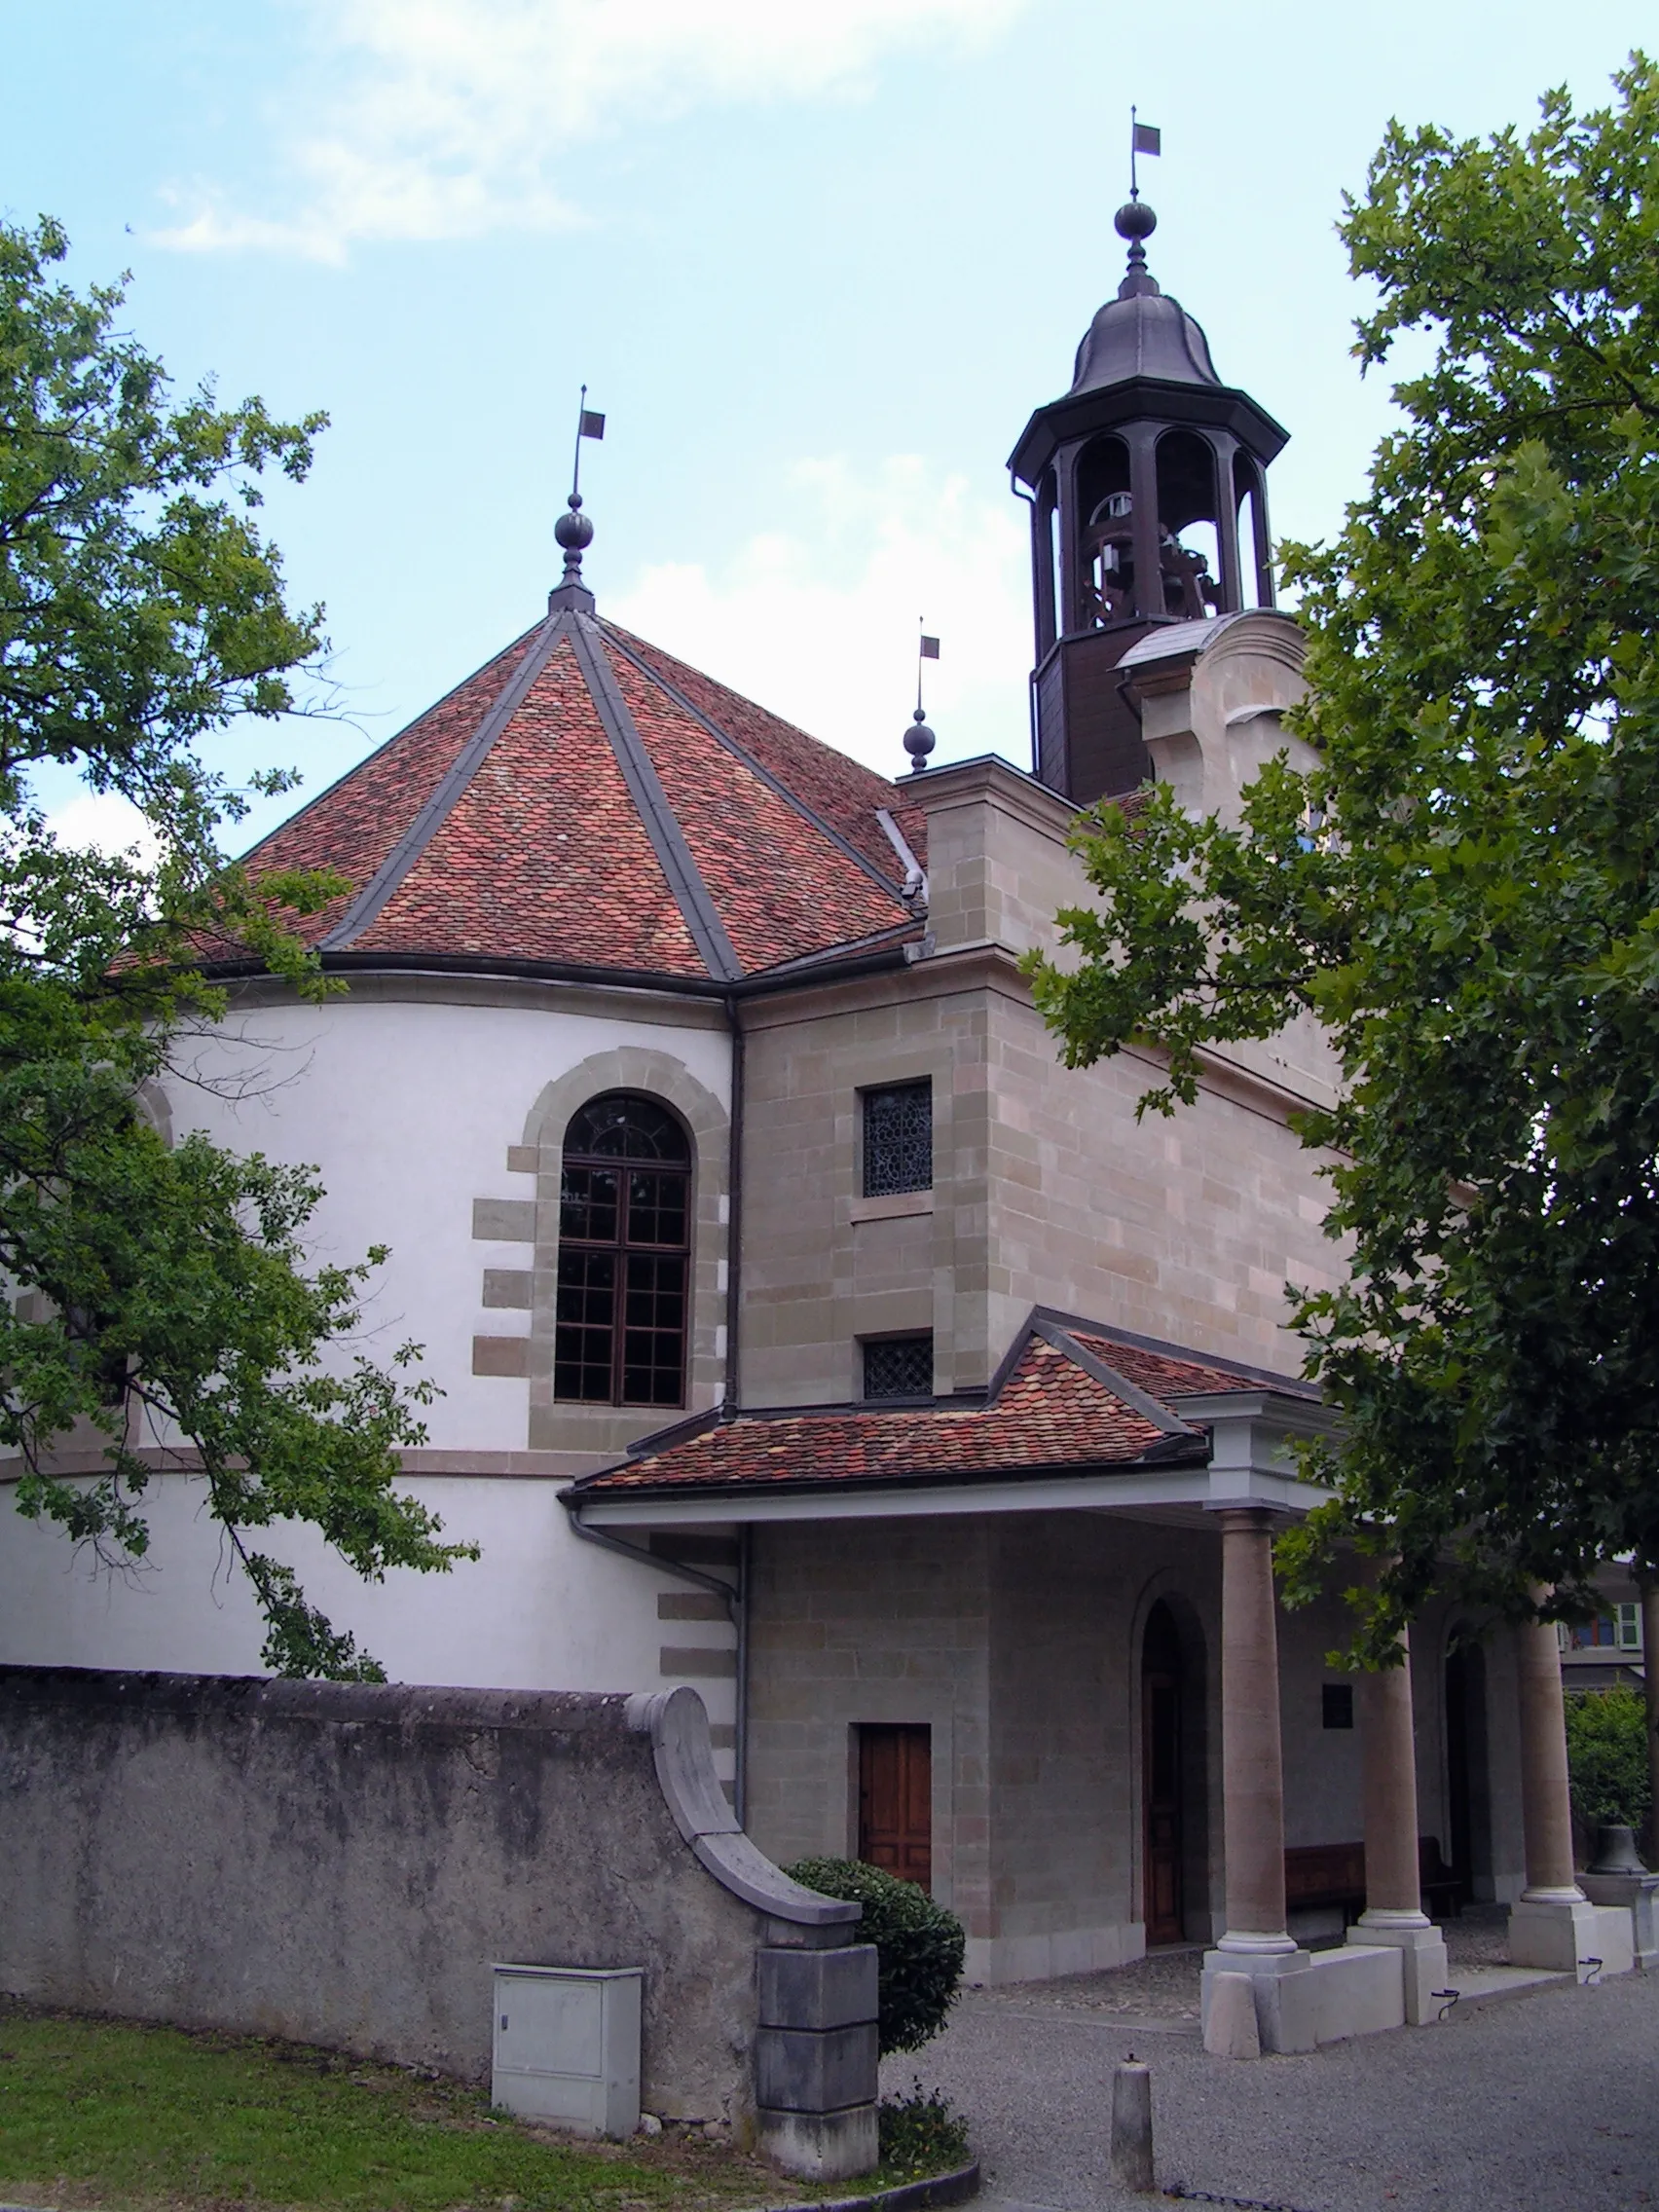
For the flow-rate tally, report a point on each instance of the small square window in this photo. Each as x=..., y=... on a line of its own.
x=898, y=1366
x=1337, y=1701
x=898, y=1139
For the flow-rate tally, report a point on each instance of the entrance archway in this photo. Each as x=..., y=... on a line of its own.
x=1163, y=1807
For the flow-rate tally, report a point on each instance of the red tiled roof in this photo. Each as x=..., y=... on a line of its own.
x=1049, y=1414
x=586, y=800
x=1167, y=1376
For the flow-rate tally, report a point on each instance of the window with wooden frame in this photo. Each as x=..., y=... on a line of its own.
x=624, y=1255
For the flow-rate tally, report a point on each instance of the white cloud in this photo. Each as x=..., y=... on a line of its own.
x=102, y=822
x=819, y=622
x=441, y=119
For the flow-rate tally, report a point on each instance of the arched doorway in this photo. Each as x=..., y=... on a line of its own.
x=1469, y=1785
x=1163, y=1762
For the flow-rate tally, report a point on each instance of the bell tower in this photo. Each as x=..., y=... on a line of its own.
x=1148, y=502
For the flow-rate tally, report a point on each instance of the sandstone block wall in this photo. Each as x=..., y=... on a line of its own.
x=344, y=1864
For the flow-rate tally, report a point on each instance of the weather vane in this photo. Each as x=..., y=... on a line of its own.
x=574, y=531
x=920, y=740
x=1144, y=138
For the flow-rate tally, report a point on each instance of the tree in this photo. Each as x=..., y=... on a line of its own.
x=1464, y=889
x=161, y=1293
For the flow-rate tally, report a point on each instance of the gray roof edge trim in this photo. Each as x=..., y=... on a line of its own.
x=1136, y=1399
x=366, y=908
x=740, y=752
x=685, y=884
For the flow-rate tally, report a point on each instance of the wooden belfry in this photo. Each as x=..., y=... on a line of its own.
x=1148, y=506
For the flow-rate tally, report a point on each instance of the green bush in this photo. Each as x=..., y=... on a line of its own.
x=1607, y=1756
x=921, y=2135
x=919, y=1945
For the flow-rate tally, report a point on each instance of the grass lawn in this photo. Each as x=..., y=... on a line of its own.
x=99, y=2112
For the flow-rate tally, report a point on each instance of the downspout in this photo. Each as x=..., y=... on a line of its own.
x=733, y=1381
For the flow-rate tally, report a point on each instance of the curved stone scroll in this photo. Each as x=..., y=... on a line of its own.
x=677, y=1722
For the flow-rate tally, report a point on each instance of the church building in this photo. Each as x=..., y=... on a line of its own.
x=807, y=1333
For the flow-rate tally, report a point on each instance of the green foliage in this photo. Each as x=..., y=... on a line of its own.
x=1606, y=1756
x=100, y=2112
x=1464, y=887
x=160, y=1297
x=920, y=2135
x=920, y=1947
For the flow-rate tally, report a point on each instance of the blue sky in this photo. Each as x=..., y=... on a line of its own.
x=815, y=262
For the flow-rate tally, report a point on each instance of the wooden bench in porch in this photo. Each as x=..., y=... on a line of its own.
x=1321, y=1876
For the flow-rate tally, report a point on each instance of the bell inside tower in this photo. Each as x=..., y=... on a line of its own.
x=1147, y=507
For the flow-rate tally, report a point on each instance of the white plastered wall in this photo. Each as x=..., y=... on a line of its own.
x=406, y=1096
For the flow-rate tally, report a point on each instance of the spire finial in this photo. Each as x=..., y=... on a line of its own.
x=1135, y=220
x=920, y=740
x=574, y=531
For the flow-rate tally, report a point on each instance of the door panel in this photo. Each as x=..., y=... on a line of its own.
x=896, y=1801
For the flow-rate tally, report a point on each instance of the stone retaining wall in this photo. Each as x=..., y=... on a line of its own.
x=342, y=1864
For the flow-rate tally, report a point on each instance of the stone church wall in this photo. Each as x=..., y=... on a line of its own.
x=342, y=1864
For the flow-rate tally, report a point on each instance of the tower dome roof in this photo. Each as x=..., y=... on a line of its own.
x=1144, y=333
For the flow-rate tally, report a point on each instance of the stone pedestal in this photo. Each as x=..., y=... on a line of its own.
x=1422, y=1957
x=815, y=2060
x=1281, y=1982
x=1553, y=1933
x=1638, y=1896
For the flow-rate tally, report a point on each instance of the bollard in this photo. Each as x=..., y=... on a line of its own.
x=1132, y=2127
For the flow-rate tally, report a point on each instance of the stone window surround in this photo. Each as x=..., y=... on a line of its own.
x=555, y=1424
x=929, y=1306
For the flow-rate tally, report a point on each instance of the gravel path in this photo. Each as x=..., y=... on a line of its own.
x=1542, y=2103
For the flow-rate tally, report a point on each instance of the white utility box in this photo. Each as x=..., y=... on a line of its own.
x=567, y=2047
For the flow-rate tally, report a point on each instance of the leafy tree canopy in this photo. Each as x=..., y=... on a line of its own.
x=161, y=1304
x=1464, y=889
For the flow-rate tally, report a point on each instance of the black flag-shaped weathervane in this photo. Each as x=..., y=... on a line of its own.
x=918, y=738
x=589, y=424
x=1144, y=138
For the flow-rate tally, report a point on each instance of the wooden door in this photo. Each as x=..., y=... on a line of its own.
x=895, y=1802
x=1160, y=1779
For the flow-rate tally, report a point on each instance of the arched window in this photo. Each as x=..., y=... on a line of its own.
x=624, y=1255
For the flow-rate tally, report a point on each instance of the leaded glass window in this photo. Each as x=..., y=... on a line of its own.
x=898, y=1139
x=898, y=1366
x=624, y=1255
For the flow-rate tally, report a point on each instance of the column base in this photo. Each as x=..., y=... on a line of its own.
x=1422, y=1957
x=1556, y=1930
x=1638, y=1894
x=1286, y=2014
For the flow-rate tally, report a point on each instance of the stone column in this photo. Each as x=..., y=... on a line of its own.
x=1552, y=1925
x=1255, y=1941
x=1393, y=1914
x=1650, y=1685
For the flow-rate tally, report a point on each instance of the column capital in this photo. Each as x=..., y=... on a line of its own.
x=1263, y=1519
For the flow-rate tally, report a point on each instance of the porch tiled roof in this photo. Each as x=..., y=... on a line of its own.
x=1071, y=1399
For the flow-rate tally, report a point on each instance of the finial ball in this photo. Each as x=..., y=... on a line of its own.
x=574, y=531
x=1135, y=219
x=919, y=741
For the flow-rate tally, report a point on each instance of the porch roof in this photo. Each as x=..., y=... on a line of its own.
x=1073, y=1400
